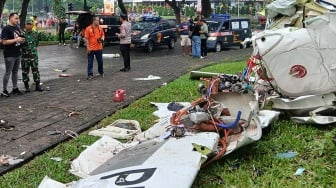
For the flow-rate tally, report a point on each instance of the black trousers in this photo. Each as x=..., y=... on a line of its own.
x=204, y=51
x=61, y=38
x=125, y=52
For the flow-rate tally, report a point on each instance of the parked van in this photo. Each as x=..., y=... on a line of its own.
x=152, y=32
x=224, y=33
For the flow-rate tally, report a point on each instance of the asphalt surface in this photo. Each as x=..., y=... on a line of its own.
x=76, y=104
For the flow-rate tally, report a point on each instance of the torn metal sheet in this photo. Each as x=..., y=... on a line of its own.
x=47, y=182
x=322, y=120
x=153, y=170
x=163, y=110
x=316, y=109
x=116, y=55
x=302, y=57
x=60, y=70
x=95, y=155
x=65, y=75
x=295, y=59
x=155, y=131
x=120, y=129
x=149, y=77
x=283, y=7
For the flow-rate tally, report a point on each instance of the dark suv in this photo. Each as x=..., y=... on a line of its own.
x=109, y=23
x=152, y=32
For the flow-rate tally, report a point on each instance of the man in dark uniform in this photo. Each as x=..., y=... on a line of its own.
x=30, y=56
x=61, y=29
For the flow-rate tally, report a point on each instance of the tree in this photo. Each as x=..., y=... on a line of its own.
x=59, y=10
x=176, y=8
x=206, y=8
x=2, y=4
x=122, y=6
x=23, y=14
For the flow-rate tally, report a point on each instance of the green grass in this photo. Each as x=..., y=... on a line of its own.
x=251, y=166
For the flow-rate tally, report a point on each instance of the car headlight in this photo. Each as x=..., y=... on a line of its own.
x=144, y=37
x=212, y=38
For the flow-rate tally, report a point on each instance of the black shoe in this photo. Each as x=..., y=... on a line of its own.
x=38, y=86
x=27, y=87
x=4, y=126
x=5, y=93
x=100, y=75
x=16, y=91
x=125, y=69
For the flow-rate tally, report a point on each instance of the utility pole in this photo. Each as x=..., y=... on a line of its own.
x=238, y=8
x=85, y=6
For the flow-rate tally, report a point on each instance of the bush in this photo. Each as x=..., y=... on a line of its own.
x=45, y=36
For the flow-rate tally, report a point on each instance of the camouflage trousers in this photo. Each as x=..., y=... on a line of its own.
x=26, y=64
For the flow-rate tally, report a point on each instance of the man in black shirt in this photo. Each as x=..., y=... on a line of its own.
x=61, y=28
x=12, y=41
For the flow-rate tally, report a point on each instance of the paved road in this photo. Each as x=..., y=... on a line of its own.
x=35, y=113
x=63, y=57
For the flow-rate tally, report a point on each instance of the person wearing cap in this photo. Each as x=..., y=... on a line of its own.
x=125, y=42
x=204, y=38
x=30, y=57
x=61, y=29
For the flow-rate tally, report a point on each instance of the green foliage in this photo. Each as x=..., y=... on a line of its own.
x=190, y=11
x=160, y=11
x=46, y=36
x=165, y=12
x=58, y=9
x=93, y=9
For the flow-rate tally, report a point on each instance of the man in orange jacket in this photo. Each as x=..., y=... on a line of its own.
x=95, y=37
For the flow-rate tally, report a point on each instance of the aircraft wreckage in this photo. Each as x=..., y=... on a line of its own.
x=291, y=66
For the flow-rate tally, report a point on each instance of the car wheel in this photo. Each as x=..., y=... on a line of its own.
x=171, y=44
x=150, y=46
x=218, y=47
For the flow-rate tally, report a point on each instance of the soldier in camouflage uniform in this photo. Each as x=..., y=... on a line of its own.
x=30, y=57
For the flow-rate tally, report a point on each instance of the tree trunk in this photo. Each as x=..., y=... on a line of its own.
x=23, y=14
x=177, y=12
x=206, y=8
x=122, y=6
x=2, y=4
x=86, y=8
x=176, y=8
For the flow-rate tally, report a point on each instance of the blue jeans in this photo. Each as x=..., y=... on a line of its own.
x=196, y=46
x=99, y=57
